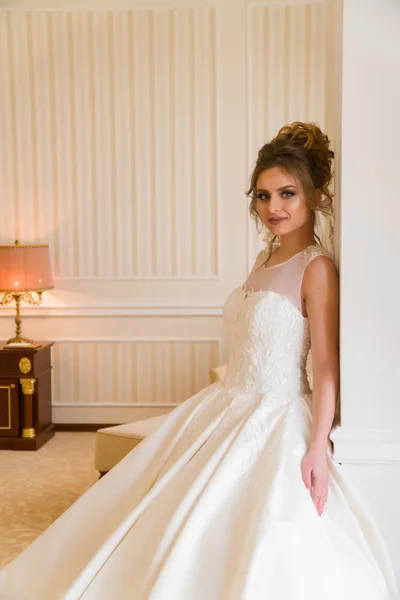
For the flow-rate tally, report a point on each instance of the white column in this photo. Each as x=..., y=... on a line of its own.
x=369, y=223
x=368, y=182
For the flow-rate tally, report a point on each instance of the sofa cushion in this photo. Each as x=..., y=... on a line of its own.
x=135, y=429
x=113, y=443
x=217, y=374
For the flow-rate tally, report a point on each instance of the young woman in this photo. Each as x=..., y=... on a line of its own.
x=236, y=496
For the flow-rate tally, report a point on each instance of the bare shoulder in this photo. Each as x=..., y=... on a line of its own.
x=320, y=271
x=320, y=291
x=320, y=285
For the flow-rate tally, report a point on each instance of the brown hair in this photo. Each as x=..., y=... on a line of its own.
x=302, y=149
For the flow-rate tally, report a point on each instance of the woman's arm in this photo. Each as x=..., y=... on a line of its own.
x=321, y=293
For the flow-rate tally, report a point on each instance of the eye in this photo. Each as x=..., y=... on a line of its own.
x=262, y=196
x=288, y=192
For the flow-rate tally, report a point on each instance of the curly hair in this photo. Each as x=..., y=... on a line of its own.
x=302, y=149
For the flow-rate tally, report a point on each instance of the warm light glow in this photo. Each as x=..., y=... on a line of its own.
x=25, y=268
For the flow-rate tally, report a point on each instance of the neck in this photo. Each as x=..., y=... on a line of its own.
x=296, y=240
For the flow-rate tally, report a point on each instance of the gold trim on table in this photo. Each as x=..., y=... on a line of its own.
x=25, y=365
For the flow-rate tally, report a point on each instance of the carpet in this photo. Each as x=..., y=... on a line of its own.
x=37, y=487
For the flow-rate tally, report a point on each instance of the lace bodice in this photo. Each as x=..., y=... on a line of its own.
x=268, y=335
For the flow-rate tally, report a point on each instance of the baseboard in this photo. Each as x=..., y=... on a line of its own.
x=82, y=426
x=92, y=415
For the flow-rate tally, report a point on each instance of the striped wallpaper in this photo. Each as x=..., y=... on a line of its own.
x=108, y=140
x=139, y=372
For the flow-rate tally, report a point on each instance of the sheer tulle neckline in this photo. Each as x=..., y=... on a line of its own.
x=289, y=259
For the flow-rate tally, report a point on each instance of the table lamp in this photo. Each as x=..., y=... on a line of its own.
x=24, y=270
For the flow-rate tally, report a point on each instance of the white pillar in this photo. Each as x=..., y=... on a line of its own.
x=369, y=221
x=368, y=182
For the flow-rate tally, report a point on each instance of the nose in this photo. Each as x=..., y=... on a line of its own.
x=274, y=203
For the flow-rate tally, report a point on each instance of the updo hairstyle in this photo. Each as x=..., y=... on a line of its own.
x=302, y=149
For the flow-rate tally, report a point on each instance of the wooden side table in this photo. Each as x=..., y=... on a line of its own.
x=25, y=397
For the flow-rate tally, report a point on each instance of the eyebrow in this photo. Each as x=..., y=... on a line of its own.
x=279, y=189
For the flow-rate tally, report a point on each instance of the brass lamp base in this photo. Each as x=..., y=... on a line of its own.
x=27, y=297
x=18, y=339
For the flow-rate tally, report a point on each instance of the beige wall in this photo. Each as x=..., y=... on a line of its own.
x=127, y=138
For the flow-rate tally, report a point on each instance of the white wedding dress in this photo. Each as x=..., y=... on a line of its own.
x=212, y=505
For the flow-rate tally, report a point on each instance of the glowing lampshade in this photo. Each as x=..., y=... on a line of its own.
x=25, y=268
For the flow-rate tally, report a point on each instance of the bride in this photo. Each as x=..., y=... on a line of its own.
x=237, y=495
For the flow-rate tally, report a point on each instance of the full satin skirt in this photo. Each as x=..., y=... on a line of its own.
x=211, y=506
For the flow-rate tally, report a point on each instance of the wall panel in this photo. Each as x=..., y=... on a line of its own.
x=109, y=140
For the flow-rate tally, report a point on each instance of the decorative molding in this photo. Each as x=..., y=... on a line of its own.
x=369, y=446
x=112, y=405
x=60, y=280
x=262, y=3
x=105, y=414
x=111, y=340
x=120, y=7
x=140, y=310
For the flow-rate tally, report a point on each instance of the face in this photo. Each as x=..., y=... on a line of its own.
x=281, y=203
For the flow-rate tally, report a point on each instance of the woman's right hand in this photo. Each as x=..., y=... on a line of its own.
x=315, y=474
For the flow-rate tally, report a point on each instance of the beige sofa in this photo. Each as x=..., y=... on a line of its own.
x=113, y=443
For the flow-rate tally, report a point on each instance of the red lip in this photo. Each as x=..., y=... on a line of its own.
x=272, y=220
